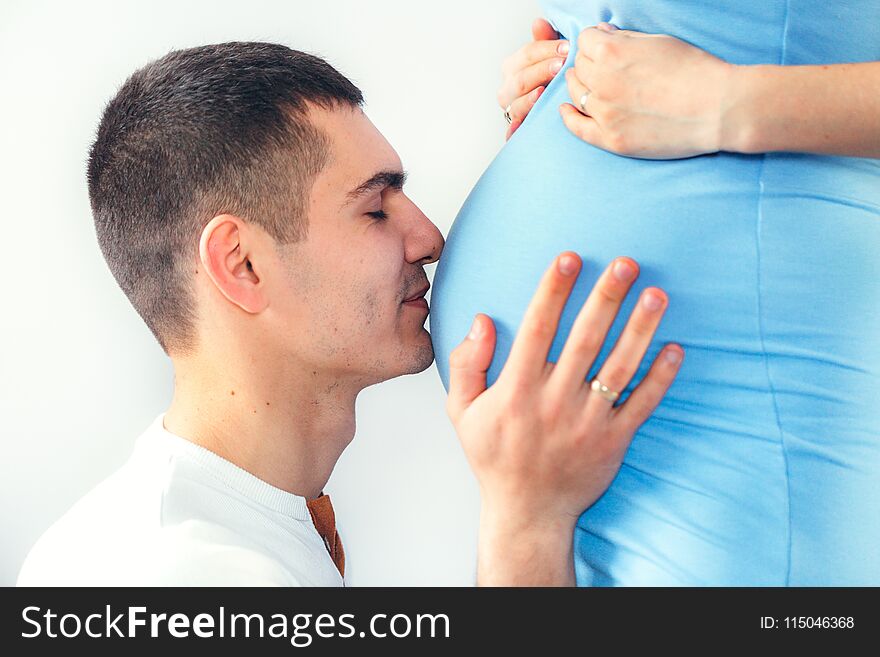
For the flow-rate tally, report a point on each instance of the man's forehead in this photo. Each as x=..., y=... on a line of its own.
x=354, y=139
x=361, y=159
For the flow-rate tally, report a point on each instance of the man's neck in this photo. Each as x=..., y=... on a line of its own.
x=287, y=426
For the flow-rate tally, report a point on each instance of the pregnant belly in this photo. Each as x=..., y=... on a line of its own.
x=760, y=465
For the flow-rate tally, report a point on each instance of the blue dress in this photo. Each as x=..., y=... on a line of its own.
x=762, y=464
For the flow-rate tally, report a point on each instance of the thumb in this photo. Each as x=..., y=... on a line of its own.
x=543, y=31
x=468, y=364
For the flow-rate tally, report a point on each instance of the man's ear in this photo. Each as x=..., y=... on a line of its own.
x=227, y=259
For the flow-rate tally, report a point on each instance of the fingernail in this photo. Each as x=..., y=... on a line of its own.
x=624, y=271
x=537, y=93
x=563, y=47
x=672, y=356
x=652, y=301
x=555, y=65
x=567, y=265
x=476, y=330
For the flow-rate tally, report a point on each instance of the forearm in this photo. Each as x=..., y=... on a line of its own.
x=833, y=109
x=514, y=551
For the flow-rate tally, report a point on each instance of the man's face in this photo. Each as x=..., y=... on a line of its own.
x=349, y=279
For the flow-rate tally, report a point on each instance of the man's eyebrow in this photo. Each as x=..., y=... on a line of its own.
x=381, y=180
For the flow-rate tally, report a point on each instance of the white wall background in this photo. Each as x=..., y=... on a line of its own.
x=80, y=374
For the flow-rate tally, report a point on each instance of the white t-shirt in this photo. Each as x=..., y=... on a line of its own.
x=176, y=514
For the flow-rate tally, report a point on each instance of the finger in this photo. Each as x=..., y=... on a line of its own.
x=543, y=31
x=583, y=127
x=593, y=323
x=528, y=355
x=576, y=90
x=514, y=125
x=534, y=52
x=607, y=27
x=520, y=108
x=527, y=79
x=650, y=392
x=468, y=364
x=593, y=42
x=584, y=71
x=624, y=360
x=610, y=28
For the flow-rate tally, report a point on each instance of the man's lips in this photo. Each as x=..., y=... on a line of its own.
x=421, y=293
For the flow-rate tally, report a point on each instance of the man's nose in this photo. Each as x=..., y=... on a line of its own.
x=425, y=241
x=439, y=243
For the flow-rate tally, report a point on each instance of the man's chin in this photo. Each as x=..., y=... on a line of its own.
x=411, y=359
x=423, y=356
x=417, y=358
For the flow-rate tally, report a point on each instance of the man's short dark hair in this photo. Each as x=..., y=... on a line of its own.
x=200, y=132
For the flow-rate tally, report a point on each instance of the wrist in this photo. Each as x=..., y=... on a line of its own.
x=507, y=518
x=739, y=128
x=520, y=549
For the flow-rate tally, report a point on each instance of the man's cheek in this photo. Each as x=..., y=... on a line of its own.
x=349, y=318
x=370, y=308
